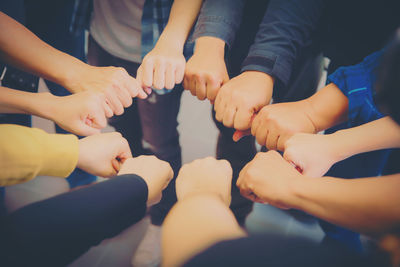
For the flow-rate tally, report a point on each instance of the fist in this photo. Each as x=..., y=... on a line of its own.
x=268, y=178
x=276, y=123
x=205, y=71
x=162, y=67
x=81, y=113
x=156, y=173
x=102, y=154
x=242, y=97
x=206, y=175
x=314, y=154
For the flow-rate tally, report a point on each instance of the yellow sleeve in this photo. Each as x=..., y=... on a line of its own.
x=28, y=152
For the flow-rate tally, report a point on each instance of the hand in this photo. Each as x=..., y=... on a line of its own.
x=276, y=123
x=205, y=71
x=115, y=83
x=268, y=178
x=243, y=96
x=81, y=113
x=156, y=173
x=102, y=154
x=162, y=67
x=206, y=175
x=314, y=154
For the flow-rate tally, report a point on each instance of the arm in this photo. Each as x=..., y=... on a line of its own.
x=164, y=66
x=28, y=152
x=194, y=224
x=82, y=113
x=26, y=51
x=286, y=28
x=201, y=216
x=367, y=205
x=276, y=123
x=315, y=154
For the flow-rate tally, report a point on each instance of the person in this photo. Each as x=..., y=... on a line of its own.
x=165, y=46
x=247, y=53
x=201, y=230
x=55, y=231
x=115, y=40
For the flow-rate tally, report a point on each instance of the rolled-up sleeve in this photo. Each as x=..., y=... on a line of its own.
x=219, y=18
x=286, y=28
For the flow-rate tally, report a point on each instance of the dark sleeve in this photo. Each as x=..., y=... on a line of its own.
x=66, y=226
x=219, y=18
x=285, y=29
x=275, y=250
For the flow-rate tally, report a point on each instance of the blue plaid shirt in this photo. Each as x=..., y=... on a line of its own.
x=154, y=19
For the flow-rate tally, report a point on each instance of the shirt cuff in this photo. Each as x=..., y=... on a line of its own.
x=214, y=26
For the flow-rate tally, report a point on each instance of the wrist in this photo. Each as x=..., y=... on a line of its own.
x=71, y=79
x=312, y=115
x=171, y=40
x=198, y=193
x=297, y=192
x=44, y=107
x=341, y=149
x=210, y=46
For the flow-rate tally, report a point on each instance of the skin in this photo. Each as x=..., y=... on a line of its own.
x=156, y=173
x=315, y=153
x=82, y=113
x=203, y=79
x=26, y=51
x=164, y=66
x=368, y=205
x=201, y=213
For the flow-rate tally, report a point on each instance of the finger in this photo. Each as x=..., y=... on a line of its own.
x=107, y=110
x=200, y=88
x=179, y=74
x=186, y=83
x=86, y=130
x=229, y=116
x=255, y=124
x=124, y=95
x=114, y=103
x=261, y=135
x=98, y=118
x=159, y=75
x=272, y=139
x=242, y=119
x=192, y=86
x=281, y=142
x=170, y=77
x=220, y=110
x=147, y=72
x=116, y=165
x=237, y=135
x=212, y=89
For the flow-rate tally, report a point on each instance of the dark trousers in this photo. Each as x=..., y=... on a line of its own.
x=149, y=125
x=56, y=231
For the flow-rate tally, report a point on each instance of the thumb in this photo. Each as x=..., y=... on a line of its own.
x=237, y=135
x=86, y=130
x=293, y=162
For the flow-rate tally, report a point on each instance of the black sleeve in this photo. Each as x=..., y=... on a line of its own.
x=275, y=250
x=285, y=29
x=55, y=231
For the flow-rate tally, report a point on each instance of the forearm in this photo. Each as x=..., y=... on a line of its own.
x=15, y=101
x=181, y=19
x=26, y=51
x=194, y=224
x=328, y=107
x=366, y=205
x=379, y=134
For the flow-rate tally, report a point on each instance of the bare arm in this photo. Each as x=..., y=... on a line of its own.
x=194, y=224
x=366, y=205
x=316, y=153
